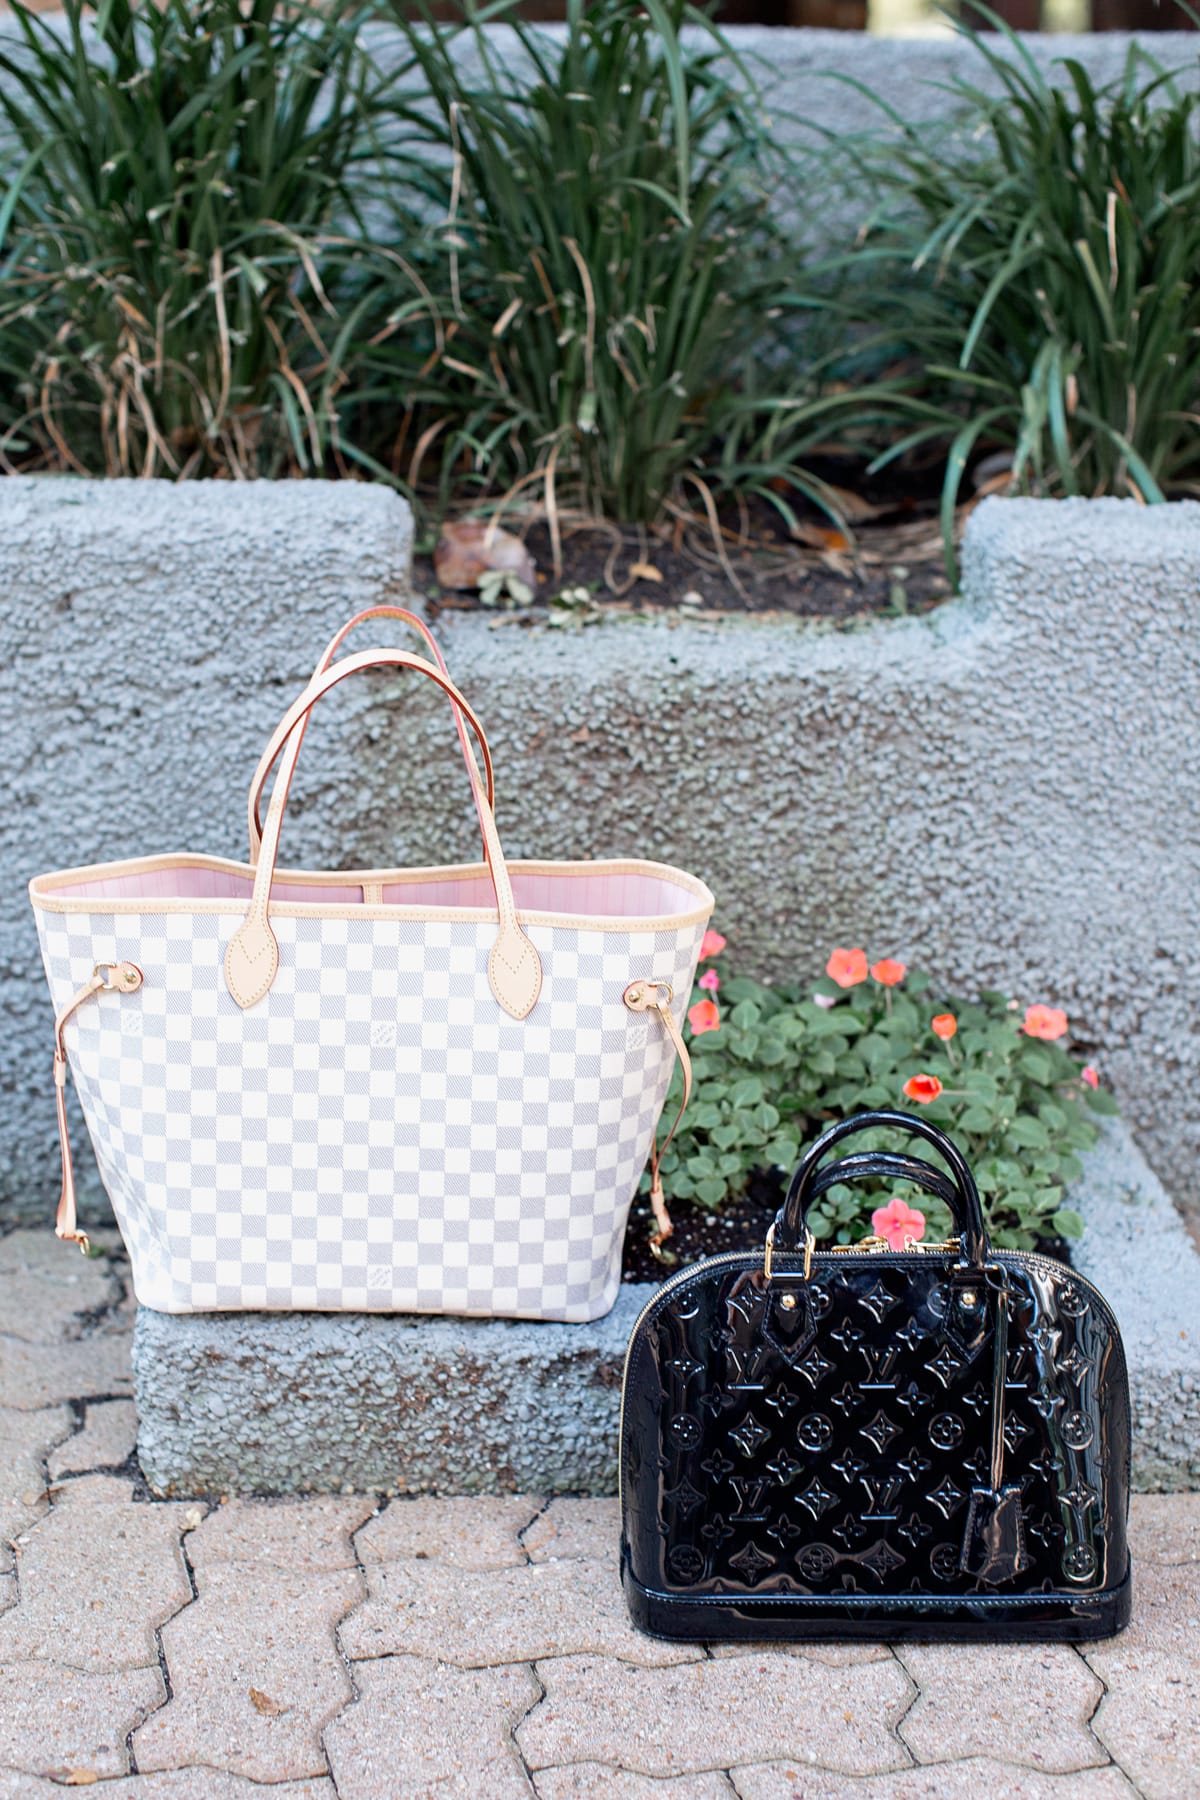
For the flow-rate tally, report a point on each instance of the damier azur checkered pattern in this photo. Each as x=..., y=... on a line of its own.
x=376, y=1134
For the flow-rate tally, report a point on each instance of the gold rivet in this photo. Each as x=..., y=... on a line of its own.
x=788, y=1302
x=970, y=1297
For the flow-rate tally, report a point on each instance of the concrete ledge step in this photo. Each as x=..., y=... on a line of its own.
x=288, y=1403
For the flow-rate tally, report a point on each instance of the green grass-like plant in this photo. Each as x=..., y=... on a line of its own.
x=605, y=256
x=1036, y=268
x=774, y=1065
x=177, y=297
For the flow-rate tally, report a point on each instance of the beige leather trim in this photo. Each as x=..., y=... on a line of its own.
x=251, y=961
x=292, y=750
x=509, y=972
x=45, y=896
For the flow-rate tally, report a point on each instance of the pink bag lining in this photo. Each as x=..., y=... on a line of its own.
x=603, y=894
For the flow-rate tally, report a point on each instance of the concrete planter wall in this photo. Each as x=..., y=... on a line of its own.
x=1006, y=790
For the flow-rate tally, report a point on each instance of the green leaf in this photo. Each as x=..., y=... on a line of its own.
x=1067, y=1222
x=711, y=1192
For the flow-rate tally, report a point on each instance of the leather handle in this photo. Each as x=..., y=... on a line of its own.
x=885, y=1165
x=252, y=955
x=331, y=649
x=960, y=1193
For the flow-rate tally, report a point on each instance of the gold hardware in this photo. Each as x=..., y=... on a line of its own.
x=788, y=1302
x=643, y=996
x=969, y=1298
x=810, y=1244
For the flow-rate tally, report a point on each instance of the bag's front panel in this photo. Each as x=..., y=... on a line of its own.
x=376, y=1133
x=830, y=1450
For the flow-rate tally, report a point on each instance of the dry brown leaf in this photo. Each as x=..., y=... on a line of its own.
x=79, y=1778
x=468, y=548
x=645, y=572
x=263, y=1703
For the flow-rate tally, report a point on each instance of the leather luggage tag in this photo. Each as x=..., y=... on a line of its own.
x=993, y=1547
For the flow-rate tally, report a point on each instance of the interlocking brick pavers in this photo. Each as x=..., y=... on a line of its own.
x=715, y=1714
x=1149, y=1718
x=25, y=1440
x=98, y=1577
x=40, y=1375
x=944, y=1781
x=1027, y=1704
x=170, y=1784
x=483, y=1533
x=281, y=1534
x=106, y=1440
x=255, y=1670
x=592, y=1781
x=54, y=1718
x=576, y=1528
x=534, y=1611
x=44, y=1285
x=418, y=1728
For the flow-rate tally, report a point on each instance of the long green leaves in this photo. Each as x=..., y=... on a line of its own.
x=177, y=192
x=605, y=251
x=1036, y=273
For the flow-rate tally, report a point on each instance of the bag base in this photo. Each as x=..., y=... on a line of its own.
x=891, y=1618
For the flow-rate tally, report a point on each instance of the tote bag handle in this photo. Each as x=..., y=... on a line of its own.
x=331, y=649
x=252, y=955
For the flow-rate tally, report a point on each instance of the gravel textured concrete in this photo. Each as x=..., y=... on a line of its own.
x=1005, y=790
x=285, y=1403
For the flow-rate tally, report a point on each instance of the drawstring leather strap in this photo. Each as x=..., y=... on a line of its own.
x=656, y=996
x=120, y=978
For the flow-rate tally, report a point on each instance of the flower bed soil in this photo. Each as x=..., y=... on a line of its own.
x=739, y=1225
x=893, y=563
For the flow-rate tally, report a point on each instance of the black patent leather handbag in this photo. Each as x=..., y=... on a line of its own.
x=858, y=1442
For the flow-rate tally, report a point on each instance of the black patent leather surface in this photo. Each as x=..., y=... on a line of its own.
x=824, y=1469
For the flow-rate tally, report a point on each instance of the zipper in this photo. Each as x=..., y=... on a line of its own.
x=868, y=1248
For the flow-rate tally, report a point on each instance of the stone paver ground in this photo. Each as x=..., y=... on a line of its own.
x=374, y=1650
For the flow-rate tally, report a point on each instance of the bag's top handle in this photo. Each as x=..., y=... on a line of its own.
x=958, y=1190
x=252, y=954
x=331, y=649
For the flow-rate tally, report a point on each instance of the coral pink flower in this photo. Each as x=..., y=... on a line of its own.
x=1091, y=1076
x=847, y=967
x=704, y=1016
x=712, y=944
x=944, y=1026
x=899, y=1223
x=710, y=981
x=1045, y=1022
x=888, y=972
x=922, y=1089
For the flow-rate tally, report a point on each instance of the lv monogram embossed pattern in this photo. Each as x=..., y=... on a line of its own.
x=800, y=1457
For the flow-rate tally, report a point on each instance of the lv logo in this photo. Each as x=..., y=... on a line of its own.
x=881, y=1362
x=751, y=1497
x=883, y=1494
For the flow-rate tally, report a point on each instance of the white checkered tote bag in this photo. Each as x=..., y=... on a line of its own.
x=425, y=1090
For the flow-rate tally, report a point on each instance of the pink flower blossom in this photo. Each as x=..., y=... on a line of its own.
x=710, y=981
x=711, y=944
x=1091, y=1076
x=898, y=1222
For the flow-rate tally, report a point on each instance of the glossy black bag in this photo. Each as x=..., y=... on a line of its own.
x=860, y=1442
